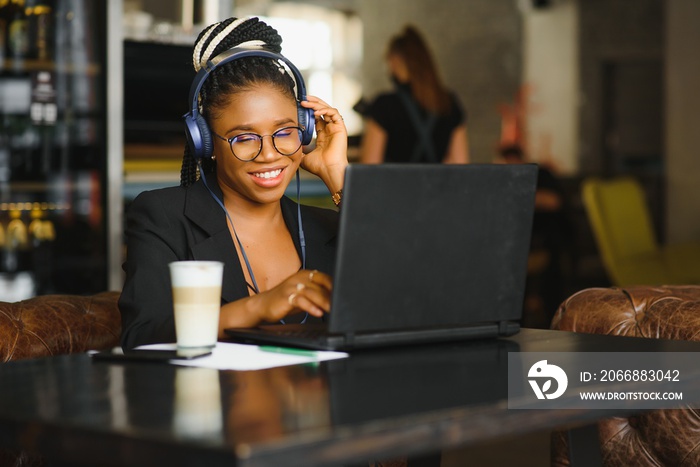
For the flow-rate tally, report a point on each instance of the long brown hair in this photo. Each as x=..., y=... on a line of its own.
x=426, y=86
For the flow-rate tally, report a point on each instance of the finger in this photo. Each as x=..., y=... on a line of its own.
x=317, y=277
x=314, y=293
x=329, y=113
x=293, y=292
x=318, y=295
x=323, y=110
x=313, y=286
x=318, y=292
x=314, y=101
x=306, y=303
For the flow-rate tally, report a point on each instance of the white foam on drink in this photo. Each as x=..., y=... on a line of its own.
x=196, y=273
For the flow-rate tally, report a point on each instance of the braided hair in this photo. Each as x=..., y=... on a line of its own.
x=234, y=76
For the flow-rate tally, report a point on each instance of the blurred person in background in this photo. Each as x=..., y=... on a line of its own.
x=420, y=121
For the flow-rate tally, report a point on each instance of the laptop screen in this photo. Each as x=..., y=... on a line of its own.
x=428, y=246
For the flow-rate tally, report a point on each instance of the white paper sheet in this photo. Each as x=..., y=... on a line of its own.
x=242, y=357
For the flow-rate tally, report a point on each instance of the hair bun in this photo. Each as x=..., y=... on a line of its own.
x=234, y=32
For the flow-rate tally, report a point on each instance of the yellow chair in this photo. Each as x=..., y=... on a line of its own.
x=631, y=254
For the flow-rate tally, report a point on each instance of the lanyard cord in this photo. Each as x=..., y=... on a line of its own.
x=302, y=239
x=233, y=227
x=424, y=129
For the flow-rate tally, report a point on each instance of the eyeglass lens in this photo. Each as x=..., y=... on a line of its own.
x=247, y=146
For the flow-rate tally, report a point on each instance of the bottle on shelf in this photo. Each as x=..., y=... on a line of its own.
x=40, y=229
x=16, y=243
x=16, y=39
x=40, y=30
x=42, y=233
x=4, y=21
x=17, y=231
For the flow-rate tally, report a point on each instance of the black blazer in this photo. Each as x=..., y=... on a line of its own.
x=179, y=223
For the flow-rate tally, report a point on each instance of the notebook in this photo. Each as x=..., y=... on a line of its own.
x=426, y=253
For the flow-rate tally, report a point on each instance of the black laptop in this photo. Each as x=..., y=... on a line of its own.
x=426, y=253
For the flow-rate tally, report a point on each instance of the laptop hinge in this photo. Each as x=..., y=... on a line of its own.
x=349, y=338
x=508, y=328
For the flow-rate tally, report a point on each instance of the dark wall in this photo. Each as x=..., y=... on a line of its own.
x=618, y=34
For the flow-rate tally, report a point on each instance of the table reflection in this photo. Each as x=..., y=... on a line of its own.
x=267, y=404
x=393, y=382
x=197, y=405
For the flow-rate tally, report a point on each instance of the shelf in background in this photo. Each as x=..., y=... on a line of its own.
x=21, y=66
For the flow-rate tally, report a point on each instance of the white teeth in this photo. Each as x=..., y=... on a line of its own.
x=271, y=174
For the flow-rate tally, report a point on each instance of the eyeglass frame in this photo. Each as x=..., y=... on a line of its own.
x=230, y=141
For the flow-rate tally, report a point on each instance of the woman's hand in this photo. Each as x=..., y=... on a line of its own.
x=305, y=290
x=329, y=158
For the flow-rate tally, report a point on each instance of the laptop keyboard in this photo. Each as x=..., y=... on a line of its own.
x=304, y=331
x=304, y=334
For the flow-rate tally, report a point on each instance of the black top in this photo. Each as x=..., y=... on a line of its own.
x=390, y=113
x=179, y=223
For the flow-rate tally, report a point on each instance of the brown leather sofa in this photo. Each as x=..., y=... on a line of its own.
x=53, y=325
x=658, y=438
x=58, y=324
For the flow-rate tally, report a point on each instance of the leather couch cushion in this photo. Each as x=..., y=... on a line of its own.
x=662, y=437
x=58, y=324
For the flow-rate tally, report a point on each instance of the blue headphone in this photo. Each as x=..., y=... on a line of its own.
x=197, y=131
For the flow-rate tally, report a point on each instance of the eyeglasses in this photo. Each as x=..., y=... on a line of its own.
x=247, y=146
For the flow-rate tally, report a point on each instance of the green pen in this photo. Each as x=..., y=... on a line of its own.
x=288, y=351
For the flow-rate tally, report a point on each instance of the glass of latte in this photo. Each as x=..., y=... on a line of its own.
x=196, y=289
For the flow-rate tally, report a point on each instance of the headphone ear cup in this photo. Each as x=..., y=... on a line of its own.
x=308, y=121
x=207, y=142
x=198, y=136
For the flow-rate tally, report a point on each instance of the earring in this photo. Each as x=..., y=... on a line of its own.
x=213, y=157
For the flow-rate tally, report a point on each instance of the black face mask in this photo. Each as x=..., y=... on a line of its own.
x=398, y=84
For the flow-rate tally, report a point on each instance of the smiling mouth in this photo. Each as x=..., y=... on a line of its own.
x=267, y=175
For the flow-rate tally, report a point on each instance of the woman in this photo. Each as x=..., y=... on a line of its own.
x=250, y=109
x=421, y=121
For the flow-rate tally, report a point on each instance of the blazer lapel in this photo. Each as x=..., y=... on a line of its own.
x=290, y=215
x=213, y=242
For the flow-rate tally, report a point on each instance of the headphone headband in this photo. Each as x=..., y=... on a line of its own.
x=234, y=54
x=197, y=131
